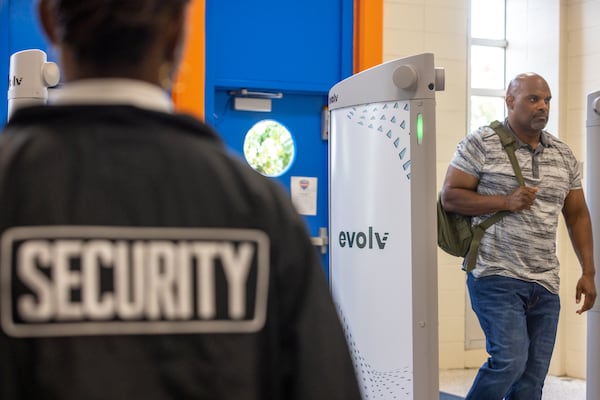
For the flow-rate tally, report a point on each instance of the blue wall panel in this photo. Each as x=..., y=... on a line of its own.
x=292, y=43
x=3, y=58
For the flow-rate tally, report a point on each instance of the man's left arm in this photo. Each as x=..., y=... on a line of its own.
x=579, y=225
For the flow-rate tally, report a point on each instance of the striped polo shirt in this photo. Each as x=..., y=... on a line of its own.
x=522, y=245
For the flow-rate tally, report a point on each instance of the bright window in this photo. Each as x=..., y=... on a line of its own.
x=487, y=67
x=488, y=19
x=487, y=61
x=485, y=109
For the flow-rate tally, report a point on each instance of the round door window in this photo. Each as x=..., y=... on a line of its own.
x=269, y=148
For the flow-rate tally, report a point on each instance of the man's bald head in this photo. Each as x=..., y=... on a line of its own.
x=519, y=81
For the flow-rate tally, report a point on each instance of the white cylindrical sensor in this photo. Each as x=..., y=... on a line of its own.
x=30, y=76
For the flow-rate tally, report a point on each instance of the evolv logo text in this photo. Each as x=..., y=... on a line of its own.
x=14, y=81
x=363, y=240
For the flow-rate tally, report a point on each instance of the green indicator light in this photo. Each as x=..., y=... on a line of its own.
x=419, y=128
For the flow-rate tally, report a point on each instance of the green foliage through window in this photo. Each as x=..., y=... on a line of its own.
x=269, y=148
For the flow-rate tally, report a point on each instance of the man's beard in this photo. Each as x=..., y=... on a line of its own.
x=538, y=124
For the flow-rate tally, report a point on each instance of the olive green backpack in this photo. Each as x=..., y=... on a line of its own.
x=456, y=236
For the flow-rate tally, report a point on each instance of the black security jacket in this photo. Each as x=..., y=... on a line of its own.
x=123, y=170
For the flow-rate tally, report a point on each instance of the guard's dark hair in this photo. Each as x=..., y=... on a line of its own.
x=110, y=33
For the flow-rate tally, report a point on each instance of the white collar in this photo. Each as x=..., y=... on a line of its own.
x=111, y=91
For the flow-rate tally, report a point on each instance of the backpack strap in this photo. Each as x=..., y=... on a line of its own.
x=478, y=231
x=509, y=144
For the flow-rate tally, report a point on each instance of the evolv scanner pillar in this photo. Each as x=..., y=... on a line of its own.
x=593, y=198
x=383, y=240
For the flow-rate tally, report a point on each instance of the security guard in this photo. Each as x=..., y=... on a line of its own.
x=138, y=258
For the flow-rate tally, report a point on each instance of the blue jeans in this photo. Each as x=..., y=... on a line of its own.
x=519, y=320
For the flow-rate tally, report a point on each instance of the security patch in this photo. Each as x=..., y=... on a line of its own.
x=74, y=280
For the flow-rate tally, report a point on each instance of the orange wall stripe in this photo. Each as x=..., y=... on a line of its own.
x=188, y=88
x=368, y=34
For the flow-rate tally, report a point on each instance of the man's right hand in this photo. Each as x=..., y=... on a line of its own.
x=521, y=199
